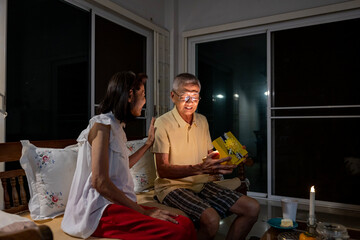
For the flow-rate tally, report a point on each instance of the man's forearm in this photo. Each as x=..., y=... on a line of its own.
x=179, y=171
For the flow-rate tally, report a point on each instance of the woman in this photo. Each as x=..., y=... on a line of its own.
x=102, y=202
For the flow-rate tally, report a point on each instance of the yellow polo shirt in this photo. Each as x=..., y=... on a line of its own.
x=186, y=145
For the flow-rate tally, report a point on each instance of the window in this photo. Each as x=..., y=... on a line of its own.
x=47, y=70
x=118, y=49
x=316, y=111
x=57, y=71
x=232, y=73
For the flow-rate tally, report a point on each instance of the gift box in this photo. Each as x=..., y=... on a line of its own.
x=228, y=145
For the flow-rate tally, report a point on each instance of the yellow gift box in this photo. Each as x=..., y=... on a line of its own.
x=228, y=145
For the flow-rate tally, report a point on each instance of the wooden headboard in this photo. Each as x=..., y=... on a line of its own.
x=15, y=198
x=11, y=151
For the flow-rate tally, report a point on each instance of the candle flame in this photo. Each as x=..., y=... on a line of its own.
x=312, y=189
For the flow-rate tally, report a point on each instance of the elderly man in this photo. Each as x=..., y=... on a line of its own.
x=185, y=160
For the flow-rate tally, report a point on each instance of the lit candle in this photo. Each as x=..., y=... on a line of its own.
x=312, y=206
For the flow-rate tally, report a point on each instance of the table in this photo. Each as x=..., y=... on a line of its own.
x=272, y=233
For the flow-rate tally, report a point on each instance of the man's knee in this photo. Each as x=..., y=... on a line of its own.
x=254, y=208
x=210, y=220
x=246, y=206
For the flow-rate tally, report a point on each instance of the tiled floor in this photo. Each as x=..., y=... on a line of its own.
x=270, y=209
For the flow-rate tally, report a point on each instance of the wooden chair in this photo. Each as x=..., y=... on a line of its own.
x=18, y=197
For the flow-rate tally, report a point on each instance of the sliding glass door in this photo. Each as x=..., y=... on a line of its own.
x=234, y=95
x=290, y=94
x=316, y=111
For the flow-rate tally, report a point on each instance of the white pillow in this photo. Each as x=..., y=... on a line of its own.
x=143, y=172
x=49, y=172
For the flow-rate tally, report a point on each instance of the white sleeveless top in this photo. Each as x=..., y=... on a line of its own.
x=85, y=205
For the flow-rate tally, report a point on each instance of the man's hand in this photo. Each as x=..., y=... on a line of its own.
x=151, y=133
x=212, y=165
x=161, y=214
x=248, y=161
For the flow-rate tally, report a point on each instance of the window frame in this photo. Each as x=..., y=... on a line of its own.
x=148, y=34
x=158, y=63
x=336, y=12
x=3, y=24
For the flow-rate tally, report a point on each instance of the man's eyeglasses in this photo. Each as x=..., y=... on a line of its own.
x=186, y=97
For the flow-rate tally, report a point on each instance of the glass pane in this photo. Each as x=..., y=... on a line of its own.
x=47, y=70
x=320, y=152
x=315, y=65
x=118, y=49
x=317, y=112
x=233, y=82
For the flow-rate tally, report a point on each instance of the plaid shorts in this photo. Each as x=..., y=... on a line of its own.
x=211, y=196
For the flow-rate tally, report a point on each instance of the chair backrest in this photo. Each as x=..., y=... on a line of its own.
x=15, y=200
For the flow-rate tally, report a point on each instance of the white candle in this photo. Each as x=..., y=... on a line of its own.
x=312, y=206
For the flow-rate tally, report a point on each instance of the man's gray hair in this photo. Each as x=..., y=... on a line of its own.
x=183, y=79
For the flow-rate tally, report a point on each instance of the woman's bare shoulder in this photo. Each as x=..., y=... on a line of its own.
x=99, y=130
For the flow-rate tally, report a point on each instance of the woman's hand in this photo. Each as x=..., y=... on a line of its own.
x=151, y=133
x=141, y=151
x=161, y=214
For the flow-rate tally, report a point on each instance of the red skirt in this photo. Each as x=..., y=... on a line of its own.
x=125, y=223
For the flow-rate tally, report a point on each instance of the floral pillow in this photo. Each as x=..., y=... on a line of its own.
x=143, y=172
x=49, y=172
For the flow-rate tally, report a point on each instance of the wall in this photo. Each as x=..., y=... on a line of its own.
x=152, y=10
x=205, y=13
x=178, y=16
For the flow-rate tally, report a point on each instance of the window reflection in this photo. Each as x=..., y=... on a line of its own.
x=233, y=81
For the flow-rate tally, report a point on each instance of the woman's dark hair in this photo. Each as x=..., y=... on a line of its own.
x=142, y=77
x=117, y=95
